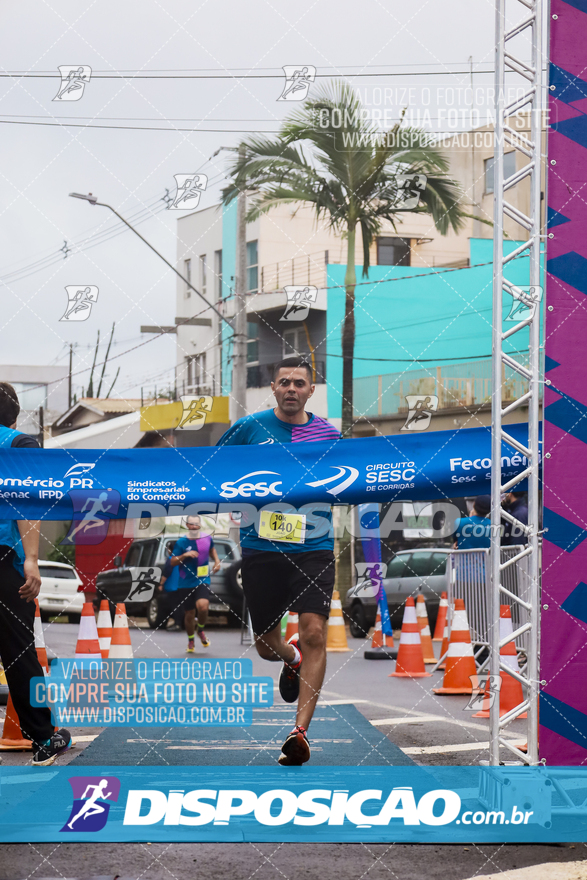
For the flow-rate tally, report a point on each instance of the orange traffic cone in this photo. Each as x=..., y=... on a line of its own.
x=444, y=646
x=336, y=636
x=40, y=638
x=425, y=638
x=12, y=739
x=382, y=647
x=460, y=662
x=104, y=628
x=120, y=646
x=293, y=622
x=88, y=646
x=410, y=660
x=510, y=693
x=441, y=619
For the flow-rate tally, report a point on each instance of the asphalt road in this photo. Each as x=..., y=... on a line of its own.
x=431, y=729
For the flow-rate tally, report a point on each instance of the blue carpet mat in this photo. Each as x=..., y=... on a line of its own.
x=339, y=736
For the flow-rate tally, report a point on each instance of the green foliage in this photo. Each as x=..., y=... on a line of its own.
x=328, y=155
x=62, y=553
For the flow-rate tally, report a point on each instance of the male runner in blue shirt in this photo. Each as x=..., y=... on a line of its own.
x=299, y=575
x=191, y=553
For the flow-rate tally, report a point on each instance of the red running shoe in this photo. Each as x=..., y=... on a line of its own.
x=296, y=749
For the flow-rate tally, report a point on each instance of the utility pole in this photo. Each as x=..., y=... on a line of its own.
x=69, y=375
x=238, y=400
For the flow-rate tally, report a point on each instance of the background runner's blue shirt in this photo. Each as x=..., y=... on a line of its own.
x=188, y=577
x=265, y=428
x=473, y=532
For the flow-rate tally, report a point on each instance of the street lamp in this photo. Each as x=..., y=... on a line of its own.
x=93, y=200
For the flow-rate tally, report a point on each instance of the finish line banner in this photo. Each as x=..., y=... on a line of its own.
x=315, y=805
x=57, y=484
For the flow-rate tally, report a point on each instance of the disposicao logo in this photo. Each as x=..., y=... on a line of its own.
x=280, y=806
x=349, y=475
x=90, y=806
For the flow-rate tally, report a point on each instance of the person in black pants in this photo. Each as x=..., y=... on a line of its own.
x=20, y=583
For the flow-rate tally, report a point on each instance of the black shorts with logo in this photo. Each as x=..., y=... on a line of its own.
x=275, y=582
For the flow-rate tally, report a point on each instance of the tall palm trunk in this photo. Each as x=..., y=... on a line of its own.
x=348, y=336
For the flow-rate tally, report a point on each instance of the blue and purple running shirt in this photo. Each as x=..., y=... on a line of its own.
x=265, y=428
x=187, y=572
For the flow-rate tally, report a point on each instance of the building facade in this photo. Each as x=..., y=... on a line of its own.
x=427, y=321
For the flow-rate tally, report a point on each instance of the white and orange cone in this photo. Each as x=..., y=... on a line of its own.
x=88, y=646
x=510, y=693
x=460, y=672
x=382, y=647
x=336, y=635
x=293, y=623
x=444, y=646
x=40, y=638
x=120, y=646
x=425, y=637
x=410, y=660
x=104, y=628
x=441, y=619
x=12, y=739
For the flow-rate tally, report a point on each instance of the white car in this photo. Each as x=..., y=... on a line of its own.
x=59, y=591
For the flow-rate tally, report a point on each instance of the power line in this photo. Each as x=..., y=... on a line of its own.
x=208, y=76
x=140, y=127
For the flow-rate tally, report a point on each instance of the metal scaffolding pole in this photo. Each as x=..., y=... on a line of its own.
x=528, y=301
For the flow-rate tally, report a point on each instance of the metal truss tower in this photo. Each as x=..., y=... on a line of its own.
x=529, y=301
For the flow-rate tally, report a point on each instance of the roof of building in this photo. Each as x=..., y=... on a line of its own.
x=103, y=407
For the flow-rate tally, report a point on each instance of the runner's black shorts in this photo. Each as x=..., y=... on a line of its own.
x=275, y=582
x=185, y=598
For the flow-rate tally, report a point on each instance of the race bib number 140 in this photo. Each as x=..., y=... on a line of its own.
x=277, y=526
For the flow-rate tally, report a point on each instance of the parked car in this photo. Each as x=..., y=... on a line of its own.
x=410, y=572
x=59, y=591
x=115, y=584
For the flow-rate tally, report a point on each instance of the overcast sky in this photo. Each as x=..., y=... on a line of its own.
x=132, y=169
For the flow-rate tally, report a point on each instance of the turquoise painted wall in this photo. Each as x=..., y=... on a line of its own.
x=228, y=274
x=438, y=317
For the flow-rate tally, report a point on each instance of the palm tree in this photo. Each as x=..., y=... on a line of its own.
x=328, y=155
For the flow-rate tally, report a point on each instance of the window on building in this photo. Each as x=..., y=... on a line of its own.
x=253, y=369
x=509, y=166
x=218, y=274
x=393, y=251
x=203, y=274
x=252, y=342
x=295, y=342
x=252, y=267
x=197, y=378
x=187, y=274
